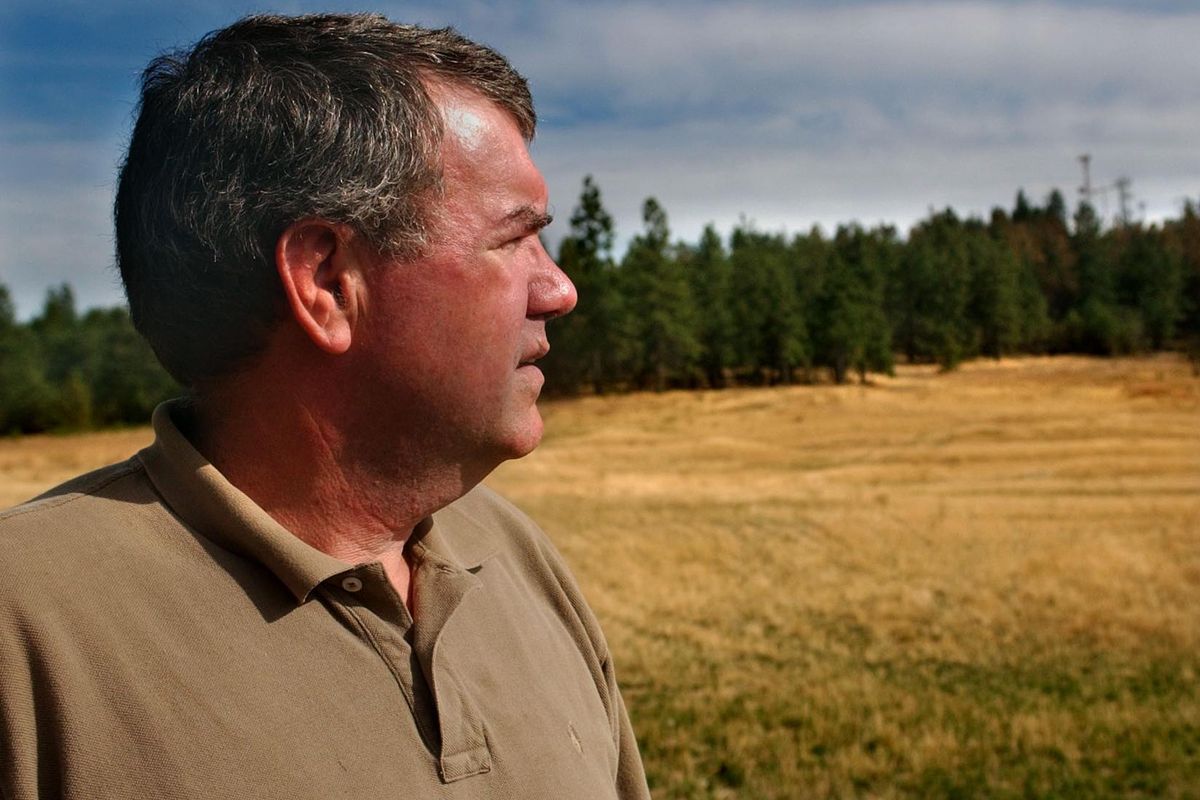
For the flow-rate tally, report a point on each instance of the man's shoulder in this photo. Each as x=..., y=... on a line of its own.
x=527, y=550
x=79, y=495
x=487, y=507
x=78, y=516
x=489, y=519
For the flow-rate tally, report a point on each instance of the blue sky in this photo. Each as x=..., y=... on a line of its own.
x=788, y=114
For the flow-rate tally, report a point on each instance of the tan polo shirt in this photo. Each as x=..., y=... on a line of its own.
x=162, y=637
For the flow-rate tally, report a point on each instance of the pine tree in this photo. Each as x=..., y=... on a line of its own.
x=1016, y=237
x=772, y=336
x=932, y=293
x=1183, y=237
x=995, y=274
x=124, y=378
x=8, y=312
x=663, y=312
x=75, y=403
x=57, y=329
x=851, y=329
x=26, y=397
x=1022, y=210
x=590, y=346
x=1098, y=323
x=710, y=274
x=1034, y=323
x=1149, y=280
x=1052, y=257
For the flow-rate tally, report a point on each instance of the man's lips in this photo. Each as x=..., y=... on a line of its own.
x=540, y=352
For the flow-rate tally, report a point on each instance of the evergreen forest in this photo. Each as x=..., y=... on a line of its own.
x=766, y=308
x=759, y=308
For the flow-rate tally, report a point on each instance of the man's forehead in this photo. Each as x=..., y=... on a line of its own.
x=465, y=124
x=487, y=158
x=469, y=115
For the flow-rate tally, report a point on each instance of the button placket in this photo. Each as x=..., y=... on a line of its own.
x=379, y=617
x=463, y=748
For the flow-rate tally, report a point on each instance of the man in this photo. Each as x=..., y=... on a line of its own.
x=328, y=230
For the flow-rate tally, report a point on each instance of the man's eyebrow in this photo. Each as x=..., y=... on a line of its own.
x=529, y=218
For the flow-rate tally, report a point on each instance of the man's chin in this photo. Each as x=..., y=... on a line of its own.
x=525, y=440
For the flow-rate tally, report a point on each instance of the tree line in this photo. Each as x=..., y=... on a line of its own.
x=67, y=371
x=766, y=308
x=757, y=308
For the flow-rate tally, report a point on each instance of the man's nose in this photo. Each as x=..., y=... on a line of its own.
x=551, y=293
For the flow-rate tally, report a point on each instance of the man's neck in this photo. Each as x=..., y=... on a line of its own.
x=317, y=481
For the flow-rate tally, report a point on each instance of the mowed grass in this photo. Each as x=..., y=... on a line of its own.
x=976, y=584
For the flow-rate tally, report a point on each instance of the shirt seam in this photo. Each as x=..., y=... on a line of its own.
x=484, y=746
x=92, y=490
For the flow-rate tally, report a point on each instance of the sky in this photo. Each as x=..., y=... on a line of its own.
x=781, y=115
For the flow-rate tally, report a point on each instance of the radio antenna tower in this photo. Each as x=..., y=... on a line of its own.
x=1088, y=192
x=1085, y=191
x=1124, y=195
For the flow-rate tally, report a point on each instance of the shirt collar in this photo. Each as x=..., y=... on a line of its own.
x=212, y=506
x=453, y=535
x=216, y=509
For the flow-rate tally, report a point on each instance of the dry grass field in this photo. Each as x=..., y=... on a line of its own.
x=976, y=584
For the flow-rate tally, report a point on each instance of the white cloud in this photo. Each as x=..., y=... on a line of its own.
x=791, y=113
x=649, y=55
x=876, y=111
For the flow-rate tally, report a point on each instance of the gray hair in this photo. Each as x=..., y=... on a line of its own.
x=267, y=122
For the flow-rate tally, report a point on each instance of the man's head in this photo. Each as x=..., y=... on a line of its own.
x=268, y=122
x=444, y=346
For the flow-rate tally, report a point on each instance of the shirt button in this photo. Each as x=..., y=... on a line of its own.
x=351, y=584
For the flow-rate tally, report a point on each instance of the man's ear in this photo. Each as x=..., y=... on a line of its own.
x=320, y=274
